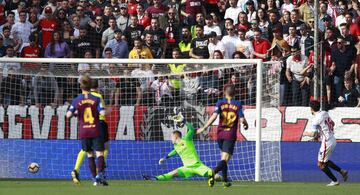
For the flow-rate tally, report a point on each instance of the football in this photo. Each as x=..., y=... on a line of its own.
x=33, y=167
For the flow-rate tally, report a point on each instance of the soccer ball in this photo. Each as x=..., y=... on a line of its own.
x=33, y=167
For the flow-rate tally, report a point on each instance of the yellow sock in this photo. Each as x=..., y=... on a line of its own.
x=106, y=151
x=80, y=159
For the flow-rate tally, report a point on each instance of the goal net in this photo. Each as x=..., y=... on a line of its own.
x=140, y=98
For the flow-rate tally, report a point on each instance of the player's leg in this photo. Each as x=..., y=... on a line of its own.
x=105, y=137
x=205, y=171
x=323, y=157
x=167, y=176
x=79, y=160
x=86, y=144
x=98, y=146
x=331, y=164
x=227, y=149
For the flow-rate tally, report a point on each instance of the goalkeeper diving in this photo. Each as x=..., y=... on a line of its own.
x=185, y=148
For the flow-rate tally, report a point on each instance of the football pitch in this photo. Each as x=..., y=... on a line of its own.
x=62, y=187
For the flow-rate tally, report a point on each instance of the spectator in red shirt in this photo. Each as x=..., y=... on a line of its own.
x=144, y=20
x=243, y=22
x=132, y=7
x=47, y=26
x=31, y=51
x=157, y=10
x=354, y=26
x=261, y=46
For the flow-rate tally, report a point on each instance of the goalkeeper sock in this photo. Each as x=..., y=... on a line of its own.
x=101, y=164
x=92, y=166
x=224, y=172
x=164, y=177
x=106, y=152
x=220, y=166
x=80, y=159
x=328, y=172
x=332, y=165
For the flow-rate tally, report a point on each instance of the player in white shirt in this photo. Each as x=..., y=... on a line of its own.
x=323, y=128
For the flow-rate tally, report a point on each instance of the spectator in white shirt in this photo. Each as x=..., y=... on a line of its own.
x=21, y=29
x=215, y=44
x=287, y=6
x=233, y=11
x=210, y=27
x=10, y=53
x=229, y=42
x=244, y=45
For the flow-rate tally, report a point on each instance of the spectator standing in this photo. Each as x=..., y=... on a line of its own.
x=350, y=96
x=46, y=90
x=296, y=63
x=210, y=27
x=118, y=46
x=229, y=41
x=47, y=26
x=185, y=42
x=108, y=34
x=244, y=45
x=123, y=20
x=139, y=51
x=57, y=48
x=155, y=48
x=233, y=11
x=82, y=44
x=144, y=20
x=306, y=10
x=6, y=66
x=133, y=31
x=306, y=41
x=157, y=10
x=215, y=44
x=10, y=21
x=261, y=46
x=342, y=61
x=293, y=39
x=31, y=50
x=21, y=30
x=11, y=90
x=158, y=35
x=199, y=45
x=192, y=9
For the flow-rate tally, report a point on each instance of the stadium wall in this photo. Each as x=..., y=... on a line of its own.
x=30, y=134
x=130, y=159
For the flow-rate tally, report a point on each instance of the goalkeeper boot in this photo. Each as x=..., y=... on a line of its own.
x=211, y=180
x=75, y=177
x=227, y=184
x=147, y=177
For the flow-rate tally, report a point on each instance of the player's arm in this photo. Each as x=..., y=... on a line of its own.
x=191, y=131
x=171, y=154
x=242, y=118
x=208, y=123
x=312, y=133
x=71, y=110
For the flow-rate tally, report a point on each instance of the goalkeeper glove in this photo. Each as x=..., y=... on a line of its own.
x=161, y=161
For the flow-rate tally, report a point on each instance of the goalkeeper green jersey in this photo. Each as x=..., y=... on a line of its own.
x=186, y=148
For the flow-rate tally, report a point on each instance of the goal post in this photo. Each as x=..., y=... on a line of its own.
x=257, y=159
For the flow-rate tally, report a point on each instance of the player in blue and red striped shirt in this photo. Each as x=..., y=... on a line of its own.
x=230, y=112
x=89, y=108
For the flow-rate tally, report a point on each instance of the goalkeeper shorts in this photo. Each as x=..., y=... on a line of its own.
x=190, y=171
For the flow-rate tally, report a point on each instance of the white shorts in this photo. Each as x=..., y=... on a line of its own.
x=326, y=150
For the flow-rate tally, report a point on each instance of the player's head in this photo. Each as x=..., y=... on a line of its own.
x=314, y=106
x=176, y=135
x=94, y=84
x=85, y=83
x=230, y=91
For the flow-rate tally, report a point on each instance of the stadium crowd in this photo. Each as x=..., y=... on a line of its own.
x=272, y=30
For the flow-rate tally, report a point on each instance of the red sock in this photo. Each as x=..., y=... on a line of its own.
x=101, y=164
x=92, y=166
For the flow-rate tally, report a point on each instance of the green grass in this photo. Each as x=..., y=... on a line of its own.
x=61, y=187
